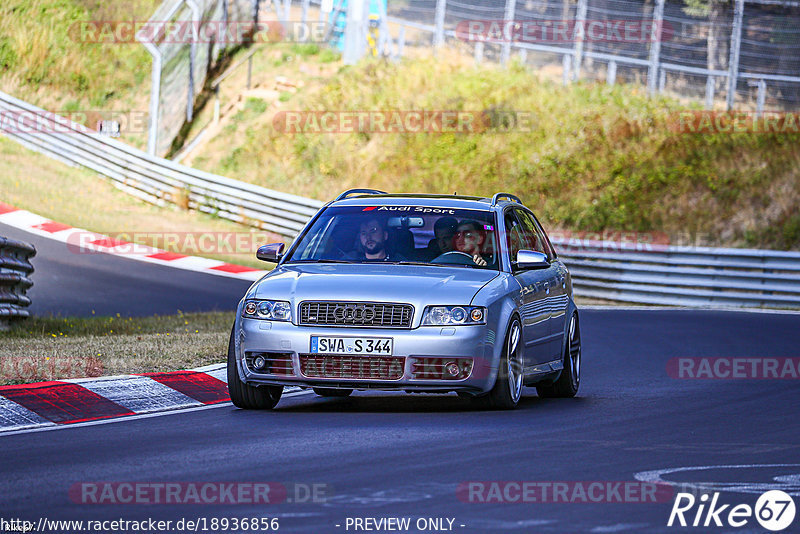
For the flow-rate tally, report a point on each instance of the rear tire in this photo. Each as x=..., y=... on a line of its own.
x=331, y=392
x=507, y=388
x=570, y=379
x=246, y=396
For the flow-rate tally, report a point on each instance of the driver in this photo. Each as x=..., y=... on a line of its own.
x=469, y=238
x=372, y=235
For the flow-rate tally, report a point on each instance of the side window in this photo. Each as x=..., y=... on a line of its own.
x=514, y=235
x=537, y=240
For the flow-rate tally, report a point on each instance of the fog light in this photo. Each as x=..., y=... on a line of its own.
x=452, y=368
x=259, y=363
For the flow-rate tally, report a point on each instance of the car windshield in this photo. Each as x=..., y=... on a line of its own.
x=409, y=234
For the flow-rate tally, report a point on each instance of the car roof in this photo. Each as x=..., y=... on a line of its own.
x=443, y=201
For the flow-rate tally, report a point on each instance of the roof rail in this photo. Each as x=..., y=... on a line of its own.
x=497, y=196
x=357, y=191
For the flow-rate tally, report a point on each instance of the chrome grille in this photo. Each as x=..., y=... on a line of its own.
x=363, y=314
x=354, y=367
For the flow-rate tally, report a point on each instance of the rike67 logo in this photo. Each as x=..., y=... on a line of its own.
x=774, y=510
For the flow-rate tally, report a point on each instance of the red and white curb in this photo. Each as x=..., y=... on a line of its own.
x=89, y=242
x=65, y=402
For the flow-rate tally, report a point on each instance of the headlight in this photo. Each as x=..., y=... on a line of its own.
x=453, y=315
x=274, y=310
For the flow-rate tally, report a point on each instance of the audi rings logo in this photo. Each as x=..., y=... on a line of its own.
x=354, y=313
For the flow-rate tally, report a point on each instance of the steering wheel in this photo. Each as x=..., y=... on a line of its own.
x=456, y=257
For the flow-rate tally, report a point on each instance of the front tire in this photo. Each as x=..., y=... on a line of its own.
x=570, y=379
x=507, y=388
x=247, y=396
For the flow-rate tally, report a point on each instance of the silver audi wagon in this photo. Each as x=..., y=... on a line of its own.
x=414, y=293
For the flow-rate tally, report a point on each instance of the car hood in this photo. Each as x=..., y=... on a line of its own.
x=413, y=284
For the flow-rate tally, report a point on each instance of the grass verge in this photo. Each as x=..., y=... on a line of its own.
x=44, y=59
x=49, y=348
x=81, y=198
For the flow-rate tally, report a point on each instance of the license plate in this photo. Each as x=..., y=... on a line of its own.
x=351, y=345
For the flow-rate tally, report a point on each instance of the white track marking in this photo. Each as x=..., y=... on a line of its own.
x=786, y=483
x=51, y=426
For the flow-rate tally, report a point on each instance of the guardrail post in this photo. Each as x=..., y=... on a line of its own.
x=508, y=30
x=438, y=35
x=655, y=45
x=580, y=33
x=611, y=76
x=733, y=64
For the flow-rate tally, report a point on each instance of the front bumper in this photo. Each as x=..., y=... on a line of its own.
x=474, y=342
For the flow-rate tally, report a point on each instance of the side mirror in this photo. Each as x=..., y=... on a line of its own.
x=530, y=259
x=272, y=252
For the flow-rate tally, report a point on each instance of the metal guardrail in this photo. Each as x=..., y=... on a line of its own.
x=15, y=269
x=683, y=276
x=157, y=180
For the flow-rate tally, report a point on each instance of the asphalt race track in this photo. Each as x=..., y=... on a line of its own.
x=66, y=283
x=387, y=455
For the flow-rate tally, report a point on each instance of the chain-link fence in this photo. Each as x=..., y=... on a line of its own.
x=728, y=53
x=186, y=39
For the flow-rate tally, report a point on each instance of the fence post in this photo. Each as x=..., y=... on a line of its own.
x=508, y=30
x=655, y=45
x=197, y=15
x=354, y=35
x=478, y=52
x=710, y=92
x=304, y=16
x=438, y=36
x=736, y=42
x=155, y=97
x=224, y=44
x=579, y=32
x=662, y=80
x=762, y=95
x=566, y=62
x=611, y=77
x=401, y=42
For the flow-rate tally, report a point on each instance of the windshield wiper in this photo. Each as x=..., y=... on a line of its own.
x=427, y=264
